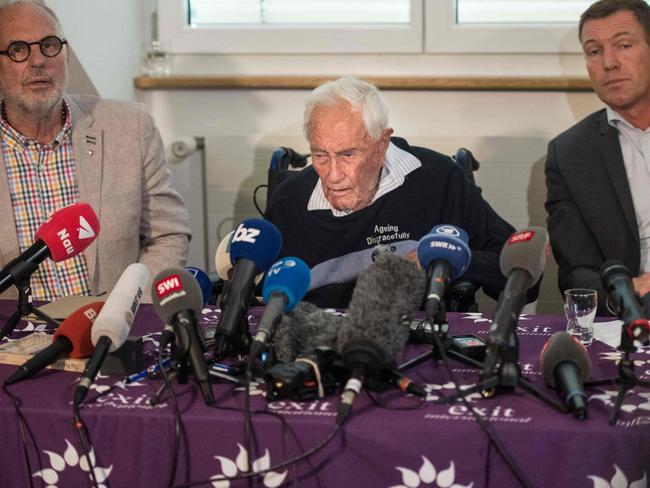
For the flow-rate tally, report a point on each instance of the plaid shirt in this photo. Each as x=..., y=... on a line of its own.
x=42, y=179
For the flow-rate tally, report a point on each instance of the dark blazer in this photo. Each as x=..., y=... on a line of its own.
x=591, y=215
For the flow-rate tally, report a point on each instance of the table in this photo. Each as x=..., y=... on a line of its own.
x=431, y=446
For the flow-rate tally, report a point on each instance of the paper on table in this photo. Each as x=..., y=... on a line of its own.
x=608, y=332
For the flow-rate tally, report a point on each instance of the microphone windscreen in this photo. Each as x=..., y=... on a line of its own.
x=77, y=329
x=383, y=303
x=116, y=317
x=612, y=270
x=176, y=290
x=561, y=347
x=222, y=261
x=204, y=282
x=304, y=329
x=257, y=240
x=525, y=249
x=445, y=242
x=290, y=276
x=69, y=231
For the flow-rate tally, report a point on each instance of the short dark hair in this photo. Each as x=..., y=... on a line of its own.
x=605, y=8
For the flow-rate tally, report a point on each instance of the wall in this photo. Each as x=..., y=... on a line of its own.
x=507, y=131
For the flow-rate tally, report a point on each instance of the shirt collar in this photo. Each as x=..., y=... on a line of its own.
x=15, y=138
x=397, y=164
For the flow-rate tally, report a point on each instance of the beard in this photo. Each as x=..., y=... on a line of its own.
x=37, y=104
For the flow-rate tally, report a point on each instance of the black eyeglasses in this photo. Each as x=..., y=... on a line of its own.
x=19, y=51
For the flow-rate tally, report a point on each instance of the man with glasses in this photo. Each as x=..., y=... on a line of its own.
x=58, y=149
x=598, y=171
x=367, y=192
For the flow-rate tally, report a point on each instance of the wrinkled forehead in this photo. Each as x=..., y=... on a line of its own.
x=28, y=22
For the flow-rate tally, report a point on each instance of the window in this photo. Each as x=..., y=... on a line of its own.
x=369, y=26
x=291, y=26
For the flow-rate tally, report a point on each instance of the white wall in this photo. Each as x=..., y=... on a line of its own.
x=507, y=131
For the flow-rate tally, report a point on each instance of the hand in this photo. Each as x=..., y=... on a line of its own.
x=642, y=284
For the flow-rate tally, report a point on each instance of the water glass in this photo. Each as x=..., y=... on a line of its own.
x=580, y=306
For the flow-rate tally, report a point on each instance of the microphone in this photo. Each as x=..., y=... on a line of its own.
x=66, y=233
x=303, y=330
x=375, y=328
x=566, y=365
x=178, y=301
x=522, y=260
x=204, y=282
x=285, y=284
x=617, y=280
x=445, y=255
x=71, y=338
x=112, y=325
x=222, y=261
x=255, y=246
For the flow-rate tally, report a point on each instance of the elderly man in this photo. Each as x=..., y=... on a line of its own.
x=367, y=192
x=597, y=172
x=59, y=149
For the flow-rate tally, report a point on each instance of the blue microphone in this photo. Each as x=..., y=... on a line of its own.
x=285, y=284
x=254, y=247
x=445, y=255
x=204, y=282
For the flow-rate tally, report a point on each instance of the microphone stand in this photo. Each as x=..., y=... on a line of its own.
x=21, y=272
x=441, y=343
x=180, y=366
x=507, y=377
x=626, y=378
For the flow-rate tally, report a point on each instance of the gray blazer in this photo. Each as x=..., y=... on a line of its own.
x=591, y=216
x=122, y=174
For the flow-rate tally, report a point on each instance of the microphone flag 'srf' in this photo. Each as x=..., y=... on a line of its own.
x=71, y=338
x=178, y=301
x=255, y=246
x=66, y=233
x=522, y=261
x=445, y=255
x=112, y=325
x=375, y=328
x=285, y=284
x=566, y=365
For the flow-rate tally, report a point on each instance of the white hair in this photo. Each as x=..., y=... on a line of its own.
x=360, y=94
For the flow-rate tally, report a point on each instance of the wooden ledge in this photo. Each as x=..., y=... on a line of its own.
x=558, y=83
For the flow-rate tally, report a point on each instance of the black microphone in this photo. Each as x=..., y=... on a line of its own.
x=254, y=247
x=566, y=365
x=617, y=280
x=111, y=327
x=375, y=328
x=445, y=255
x=178, y=300
x=522, y=260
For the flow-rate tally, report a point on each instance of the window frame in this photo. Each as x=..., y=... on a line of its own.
x=443, y=35
x=177, y=37
x=432, y=30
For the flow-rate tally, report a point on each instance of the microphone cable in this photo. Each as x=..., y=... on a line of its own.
x=283, y=464
x=482, y=422
x=23, y=427
x=86, y=444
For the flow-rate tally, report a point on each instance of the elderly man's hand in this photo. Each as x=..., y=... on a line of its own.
x=642, y=284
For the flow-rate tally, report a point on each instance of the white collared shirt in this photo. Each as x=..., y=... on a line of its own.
x=635, y=146
x=397, y=165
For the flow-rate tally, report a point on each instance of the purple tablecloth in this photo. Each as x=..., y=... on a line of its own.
x=431, y=446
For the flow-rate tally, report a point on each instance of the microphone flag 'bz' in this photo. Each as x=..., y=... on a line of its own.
x=254, y=247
